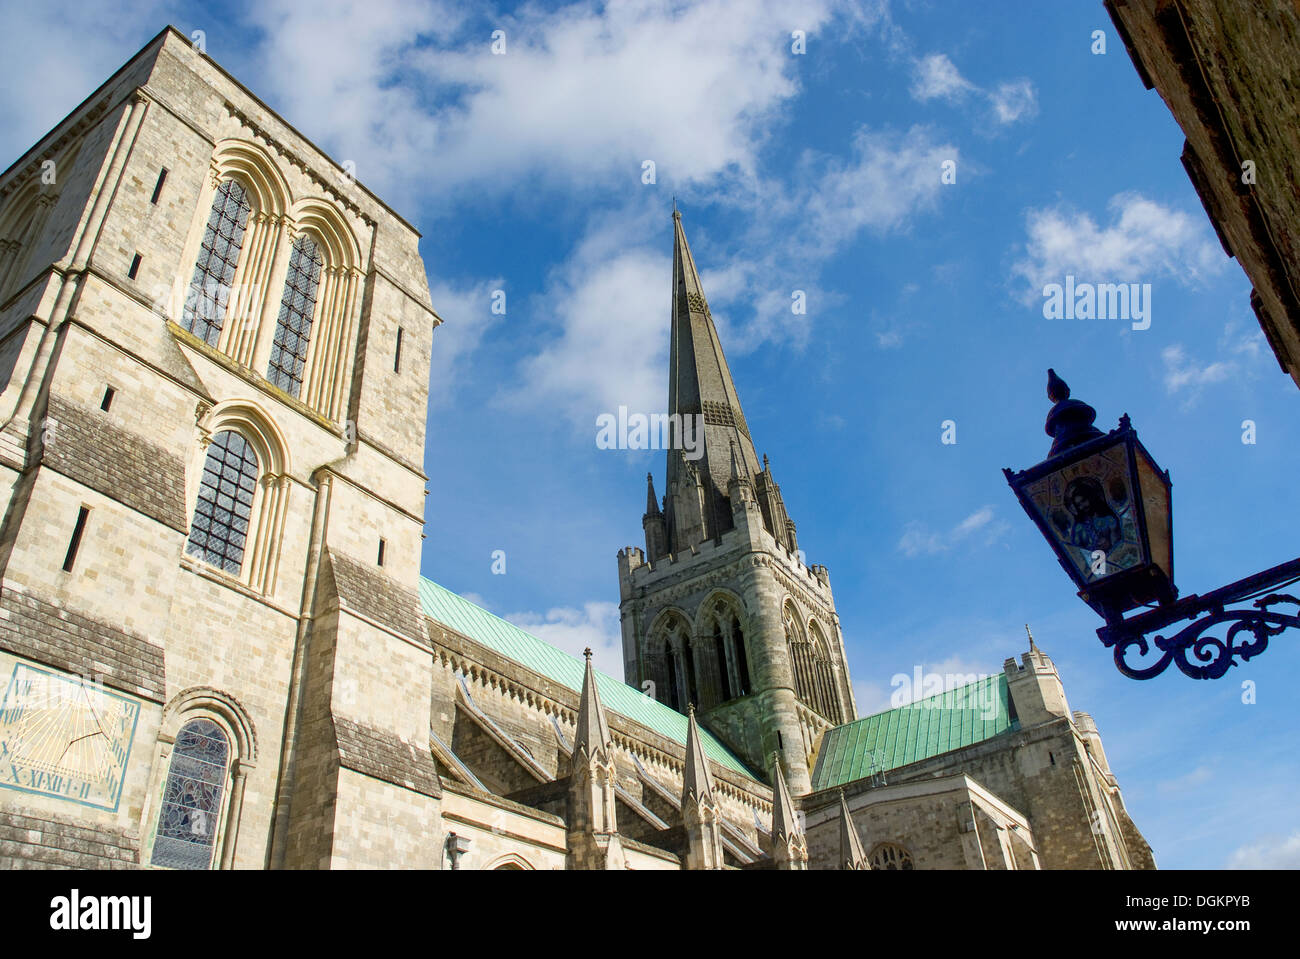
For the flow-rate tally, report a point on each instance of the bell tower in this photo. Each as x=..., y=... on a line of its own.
x=720, y=610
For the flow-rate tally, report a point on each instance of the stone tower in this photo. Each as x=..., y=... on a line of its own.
x=213, y=382
x=719, y=610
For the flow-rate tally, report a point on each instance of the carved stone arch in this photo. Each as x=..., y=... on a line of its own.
x=22, y=223
x=817, y=636
x=666, y=618
x=269, y=508
x=258, y=426
x=329, y=226
x=204, y=705
x=511, y=861
x=327, y=363
x=721, y=624
x=891, y=855
x=825, y=696
x=792, y=615
x=220, y=706
x=709, y=607
x=670, y=657
x=235, y=326
x=257, y=171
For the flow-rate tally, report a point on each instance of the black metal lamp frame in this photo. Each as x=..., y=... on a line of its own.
x=1191, y=648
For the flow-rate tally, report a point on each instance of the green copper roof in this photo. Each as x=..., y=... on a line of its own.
x=478, y=624
x=928, y=727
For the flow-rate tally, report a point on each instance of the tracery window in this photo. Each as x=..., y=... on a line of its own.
x=219, y=528
x=742, y=660
x=214, y=271
x=674, y=698
x=890, y=855
x=720, y=648
x=191, y=802
x=297, y=307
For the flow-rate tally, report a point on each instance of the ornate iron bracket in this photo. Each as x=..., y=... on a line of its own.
x=1213, y=656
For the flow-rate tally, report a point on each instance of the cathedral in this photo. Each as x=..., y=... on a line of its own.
x=216, y=647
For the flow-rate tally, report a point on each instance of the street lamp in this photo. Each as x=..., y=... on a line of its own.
x=1106, y=509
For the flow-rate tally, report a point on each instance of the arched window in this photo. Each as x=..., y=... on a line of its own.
x=720, y=648
x=800, y=658
x=688, y=656
x=21, y=227
x=191, y=802
x=674, y=698
x=214, y=272
x=889, y=855
x=297, y=307
x=742, y=660
x=219, y=528
x=825, y=693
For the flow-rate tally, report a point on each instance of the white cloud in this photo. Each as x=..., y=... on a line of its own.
x=595, y=625
x=1144, y=241
x=1197, y=777
x=937, y=77
x=611, y=308
x=1273, y=852
x=584, y=91
x=1186, y=377
x=1242, y=355
x=54, y=58
x=466, y=316
x=871, y=698
x=1013, y=101
x=919, y=540
x=610, y=299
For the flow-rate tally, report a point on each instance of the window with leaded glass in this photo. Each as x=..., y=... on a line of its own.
x=214, y=272
x=219, y=528
x=890, y=855
x=191, y=802
x=293, y=325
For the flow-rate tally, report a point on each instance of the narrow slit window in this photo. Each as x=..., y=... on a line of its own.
x=293, y=325
x=107, y=401
x=135, y=266
x=157, y=187
x=397, y=352
x=381, y=552
x=75, y=543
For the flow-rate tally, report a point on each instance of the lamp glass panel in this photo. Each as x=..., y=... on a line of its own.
x=1155, y=506
x=1089, y=508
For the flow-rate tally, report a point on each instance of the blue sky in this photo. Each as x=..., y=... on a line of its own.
x=819, y=172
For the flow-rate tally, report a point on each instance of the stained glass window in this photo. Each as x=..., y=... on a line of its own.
x=214, y=273
x=293, y=326
x=220, y=524
x=191, y=805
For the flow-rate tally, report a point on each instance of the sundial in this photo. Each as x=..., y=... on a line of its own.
x=65, y=736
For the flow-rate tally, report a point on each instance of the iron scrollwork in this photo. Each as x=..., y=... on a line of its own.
x=1210, y=657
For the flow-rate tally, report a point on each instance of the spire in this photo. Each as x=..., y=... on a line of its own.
x=593, y=730
x=700, y=385
x=697, y=781
x=851, y=854
x=789, y=845
x=1032, y=647
x=651, y=502
x=592, y=828
x=784, y=822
